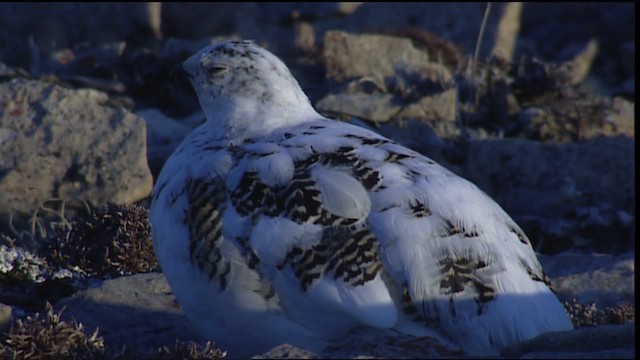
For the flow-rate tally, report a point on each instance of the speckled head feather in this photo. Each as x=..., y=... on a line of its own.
x=239, y=80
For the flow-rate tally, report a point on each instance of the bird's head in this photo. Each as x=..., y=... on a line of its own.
x=246, y=89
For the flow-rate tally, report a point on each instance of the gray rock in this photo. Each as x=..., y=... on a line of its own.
x=622, y=117
x=139, y=312
x=507, y=31
x=66, y=143
x=30, y=32
x=372, y=107
x=136, y=311
x=371, y=344
x=603, y=279
x=405, y=83
x=581, y=64
x=607, y=341
x=380, y=108
x=164, y=134
x=550, y=180
x=349, y=56
x=557, y=32
x=580, y=342
x=626, y=353
x=573, y=195
x=440, y=107
x=5, y=316
x=443, y=19
x=390, y=346
x=144, y=306
x=286, y=351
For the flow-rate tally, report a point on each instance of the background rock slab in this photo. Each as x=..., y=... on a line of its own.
x=56, y=142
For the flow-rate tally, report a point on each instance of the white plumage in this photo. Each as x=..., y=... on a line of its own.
x=276, y=225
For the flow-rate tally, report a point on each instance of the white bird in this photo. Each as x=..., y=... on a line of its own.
x=274, y=224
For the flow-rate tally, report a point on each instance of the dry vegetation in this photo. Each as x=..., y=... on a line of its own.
x=105, y=242
x=589, y=314
x=110, y=241
x=46, y=336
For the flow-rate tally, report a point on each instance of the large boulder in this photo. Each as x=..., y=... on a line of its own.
x=68, y=144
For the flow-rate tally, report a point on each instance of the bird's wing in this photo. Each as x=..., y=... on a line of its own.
x=418, y=236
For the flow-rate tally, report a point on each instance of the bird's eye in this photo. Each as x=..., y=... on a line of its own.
x=217, y=70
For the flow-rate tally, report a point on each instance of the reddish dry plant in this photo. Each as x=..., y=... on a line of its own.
x=589, y=315
x=110, y=241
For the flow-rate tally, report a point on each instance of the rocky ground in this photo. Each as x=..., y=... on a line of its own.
x=540, y=116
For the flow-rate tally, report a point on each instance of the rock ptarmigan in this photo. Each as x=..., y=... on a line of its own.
x=274, y=224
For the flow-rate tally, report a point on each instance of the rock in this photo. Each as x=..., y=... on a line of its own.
x=143, y=305
x=374, y=345
x=52, y=26
x=507, y=31
x=627, y=353
x=64, y=143
x=573, y=121
x=136, y=311
x=431, y=139
x=602, y=342
x=350, y=56
x=380, y=108
x=549, y=33
x=11, y=72
x=553, y=180
x=164, y=134
x=372, y=107
x=441, y=18
x=581, y=63
x=286, y=351
x=371, y=345
x=622, y=117
x=603, y=279
x=576, y=115
x=581, y=342
x=305, y=37
x=380, y=59
x=554, y=32
x=411, y=87
x=438, y=107
x=5, y=316
x=565, y=196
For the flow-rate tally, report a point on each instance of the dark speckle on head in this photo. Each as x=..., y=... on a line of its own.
x=245, y=90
